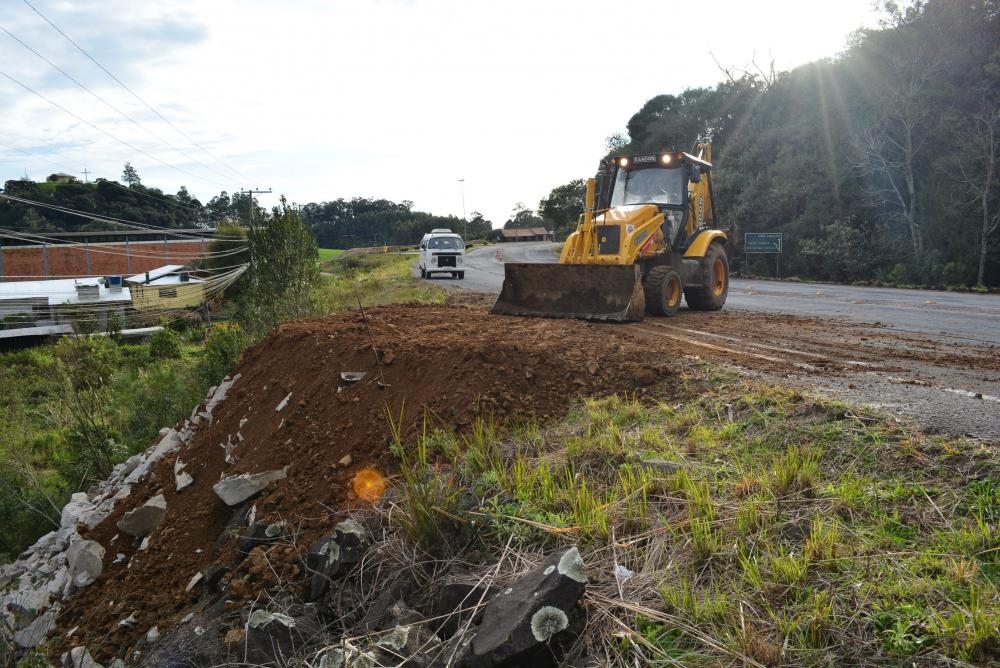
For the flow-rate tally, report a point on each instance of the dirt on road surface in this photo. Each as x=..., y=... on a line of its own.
x=940, y=383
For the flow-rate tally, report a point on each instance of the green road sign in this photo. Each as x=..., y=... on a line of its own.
x=762, y=242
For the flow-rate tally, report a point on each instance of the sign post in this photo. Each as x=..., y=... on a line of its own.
x=764, y=243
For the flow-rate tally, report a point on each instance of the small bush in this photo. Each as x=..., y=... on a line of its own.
x=165, y=344
x=223, y=347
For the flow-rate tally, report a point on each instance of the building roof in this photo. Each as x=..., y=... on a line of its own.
x=62, y=291
x=153, y=274
x=525, y=232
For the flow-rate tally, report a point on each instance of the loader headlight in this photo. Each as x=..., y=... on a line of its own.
x=623, y=162
x=666, y=158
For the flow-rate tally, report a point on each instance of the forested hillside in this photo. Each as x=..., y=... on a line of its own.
x=43, y=207
x=879, y=164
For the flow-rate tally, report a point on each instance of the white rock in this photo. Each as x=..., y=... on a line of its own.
x=86, y=561
x=284, y=402
x=79, y=657
x=236, y=489
x=153, y=634
x=183, y=480
x=78, y=504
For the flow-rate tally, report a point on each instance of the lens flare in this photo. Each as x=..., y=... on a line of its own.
x=368, y=485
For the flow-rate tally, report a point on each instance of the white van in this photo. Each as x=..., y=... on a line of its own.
x=442, y=252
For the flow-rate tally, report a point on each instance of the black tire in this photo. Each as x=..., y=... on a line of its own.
x=711, y=295
x=663, y=291
x=423, y=273
x=461, y=275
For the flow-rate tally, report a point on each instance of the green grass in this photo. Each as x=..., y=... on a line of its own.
x=785, y=530
x=329, y=253
x=377, y=279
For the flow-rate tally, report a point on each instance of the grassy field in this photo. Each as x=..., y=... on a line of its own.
x=749, y=525
x=329, y=253
x=377, y=279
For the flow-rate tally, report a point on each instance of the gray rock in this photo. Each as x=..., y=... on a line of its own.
x=276, y=637
x=86, y=562
x=237, y=489
x=333, y=555
x=153, y=634
x=458, y=604
x=78, y=504
x=531, y=622
x=143, y=520
x=35, y=633
x=79, y=657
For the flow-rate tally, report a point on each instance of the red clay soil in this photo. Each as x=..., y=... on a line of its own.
x=450, y=362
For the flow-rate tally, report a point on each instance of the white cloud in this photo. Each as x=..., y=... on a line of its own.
x=385, y=98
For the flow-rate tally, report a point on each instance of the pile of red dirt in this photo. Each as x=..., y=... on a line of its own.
x=448, y=362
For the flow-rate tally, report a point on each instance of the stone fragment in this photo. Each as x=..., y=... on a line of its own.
x=35, y=633
x=531, y=623
x=332, y=555
x=284, y=402
x=143, y=520
x=79, y=657
x=458, y=604
x=346, y=460
x=153, y=634
x=86, y=562
x=237, y=489
x=182, y=478
x=272, y=637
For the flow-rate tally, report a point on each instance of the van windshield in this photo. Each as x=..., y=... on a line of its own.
x=450, y=243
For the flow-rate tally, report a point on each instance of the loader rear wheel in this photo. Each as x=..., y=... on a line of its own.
x=715, y=270
x=663, y=290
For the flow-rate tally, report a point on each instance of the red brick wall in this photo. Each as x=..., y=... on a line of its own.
x=25, y=263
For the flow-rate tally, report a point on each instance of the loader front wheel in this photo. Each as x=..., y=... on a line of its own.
x=663, y=290
x=712, y=294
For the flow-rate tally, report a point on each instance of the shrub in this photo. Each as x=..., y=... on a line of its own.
x=165, y=344
x=223, y=347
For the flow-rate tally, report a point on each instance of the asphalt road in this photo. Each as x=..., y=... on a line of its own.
x=928, y=357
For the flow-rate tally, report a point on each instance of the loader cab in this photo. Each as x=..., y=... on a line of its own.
x=664, y=180
x=442, y=252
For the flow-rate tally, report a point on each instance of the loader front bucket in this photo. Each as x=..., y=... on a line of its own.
x=587, y=291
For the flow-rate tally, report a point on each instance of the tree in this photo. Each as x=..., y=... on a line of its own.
x=283, y=271
x=977, y=173
x=562, y=208
x=478, y=227
x=522, y=216
x=130, y=176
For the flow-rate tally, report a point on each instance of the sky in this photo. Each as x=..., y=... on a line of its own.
x=455, y=105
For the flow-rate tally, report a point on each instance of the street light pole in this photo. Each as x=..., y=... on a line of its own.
x=465, y=223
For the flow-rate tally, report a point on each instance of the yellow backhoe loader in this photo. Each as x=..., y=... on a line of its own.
x=648, y=235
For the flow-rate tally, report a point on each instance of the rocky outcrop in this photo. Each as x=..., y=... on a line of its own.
x=62, y=561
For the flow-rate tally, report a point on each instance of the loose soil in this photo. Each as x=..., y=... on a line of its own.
x=445, y=365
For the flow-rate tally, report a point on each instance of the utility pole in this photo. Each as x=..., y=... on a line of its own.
x=465, y=223
x=85, y=174
x=251, y=193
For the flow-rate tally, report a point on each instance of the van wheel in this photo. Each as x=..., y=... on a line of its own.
x=423, y=273
x=461, y=274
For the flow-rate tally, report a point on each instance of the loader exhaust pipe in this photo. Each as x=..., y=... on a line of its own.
x=590, y=292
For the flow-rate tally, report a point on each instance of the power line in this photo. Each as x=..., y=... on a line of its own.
x=105, y=132
x=111, y=106
x=131, y=92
